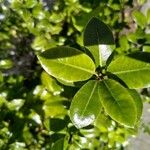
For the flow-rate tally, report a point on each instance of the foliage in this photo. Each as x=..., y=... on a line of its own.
x=40, y=110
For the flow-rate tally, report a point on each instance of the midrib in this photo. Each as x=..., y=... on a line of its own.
x=89, y=99
x=76, y=67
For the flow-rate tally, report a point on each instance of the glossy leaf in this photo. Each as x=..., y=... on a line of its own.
x=85, y=105
x=133, y=69
x=67, y=83
x=117, y=102
x=138, y=103
x=68, y=64
x=98, y=38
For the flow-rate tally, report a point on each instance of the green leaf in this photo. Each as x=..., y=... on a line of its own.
x=38, y=12
x=146, y=48
x=6, y=64
x=30, y=3
x=141, y=2
x=85, y=105
x=67, y=83
x=1, y=77
x=102, y=122
x=66, y=63
x=59, y=144
x=15, y=104
x=80, y=20
x=139, y=18
x=138, y=103
x=57, y=124
x=98, y=38
x=124, y=45
x=42, y=43
x=53, y=106
x=26, y=15
x=117, y=102
x=133, y=69
x=148, y=16
x=51, y=84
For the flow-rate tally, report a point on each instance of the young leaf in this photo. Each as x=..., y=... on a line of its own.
x=85, y=105
x=98, y=38
x=133, y=69
x=66, y=63
x=117, y=102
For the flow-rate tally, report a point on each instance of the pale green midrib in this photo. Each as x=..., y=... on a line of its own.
x=76, y=67
x=100, y=105
x=114, y=99
x=89, y=99
x=130, y=71
x=98, y=113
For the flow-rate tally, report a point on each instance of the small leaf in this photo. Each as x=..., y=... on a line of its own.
x=15, y=104
x=41, y=43
x=30, y=3
x=117, y=102
x=38, y=11
x=53, y=107
x=124, y=45
x=6, y=64
x=68, y=64
x=51, y=84
x=139, y=18
x=85, y=105
x=98, y=38
x=133, y=69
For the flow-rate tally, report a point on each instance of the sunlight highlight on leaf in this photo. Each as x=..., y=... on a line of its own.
x=81, y=122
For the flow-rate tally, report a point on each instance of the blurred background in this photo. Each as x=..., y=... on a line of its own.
x=33, y=105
